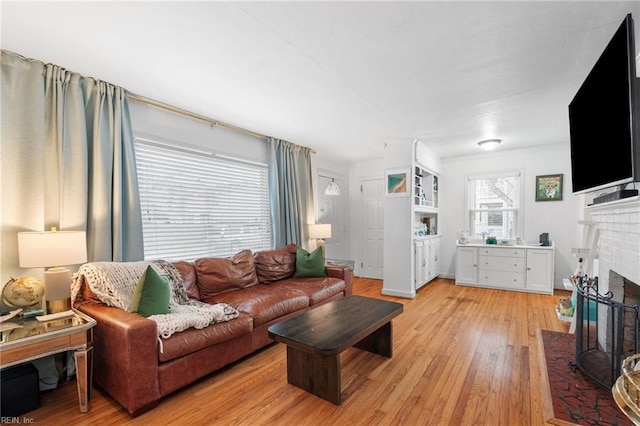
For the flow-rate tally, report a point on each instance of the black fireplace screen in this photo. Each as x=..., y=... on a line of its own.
x=606, y=333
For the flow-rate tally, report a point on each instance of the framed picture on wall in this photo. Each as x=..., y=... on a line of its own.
x=397, y=183
x=549, y=187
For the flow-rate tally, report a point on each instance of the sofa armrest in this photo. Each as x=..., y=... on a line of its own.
x=125, y=356
x=344, y=273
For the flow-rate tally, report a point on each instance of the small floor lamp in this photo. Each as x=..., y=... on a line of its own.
x=319, y=232
x=52, y=250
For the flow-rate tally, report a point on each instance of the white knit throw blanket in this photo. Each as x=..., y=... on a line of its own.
x=114, y=283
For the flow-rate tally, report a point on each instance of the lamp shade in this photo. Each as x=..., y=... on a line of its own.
x=320, y=231
x=56, y=248
x=332, y=189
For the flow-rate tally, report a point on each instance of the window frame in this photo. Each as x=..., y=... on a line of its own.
x=470, y=211
x=216, y=162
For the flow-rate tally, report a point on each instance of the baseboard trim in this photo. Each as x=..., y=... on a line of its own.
x=407, y=295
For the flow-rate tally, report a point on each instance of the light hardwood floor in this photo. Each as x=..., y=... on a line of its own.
x=462, y=356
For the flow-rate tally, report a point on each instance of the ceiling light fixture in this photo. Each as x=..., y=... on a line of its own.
x=489, y=144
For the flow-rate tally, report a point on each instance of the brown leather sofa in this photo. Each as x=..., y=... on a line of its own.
x=128, y=361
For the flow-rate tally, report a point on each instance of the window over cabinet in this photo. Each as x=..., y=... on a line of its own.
x=494, y=205
x=198, y=204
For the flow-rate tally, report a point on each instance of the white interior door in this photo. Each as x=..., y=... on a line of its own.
x=332, y=209
x=372, y=228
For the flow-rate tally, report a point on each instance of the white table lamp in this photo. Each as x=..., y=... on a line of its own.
x=53, y=250
x=319, y=232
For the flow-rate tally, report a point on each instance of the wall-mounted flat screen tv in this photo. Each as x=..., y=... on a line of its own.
x=603, y=122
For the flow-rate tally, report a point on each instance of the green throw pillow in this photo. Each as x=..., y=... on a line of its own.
x=309, y=264
x=151, y=295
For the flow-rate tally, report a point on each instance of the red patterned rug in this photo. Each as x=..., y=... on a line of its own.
x=575, y=398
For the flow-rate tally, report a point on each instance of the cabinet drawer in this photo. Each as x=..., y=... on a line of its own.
x=502, y=279
x=496, y=263
x=502, y=251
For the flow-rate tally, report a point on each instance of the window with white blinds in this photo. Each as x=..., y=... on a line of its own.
x=494, y=205
x=197, y=204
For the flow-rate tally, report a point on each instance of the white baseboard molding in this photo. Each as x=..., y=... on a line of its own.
x=405, y=294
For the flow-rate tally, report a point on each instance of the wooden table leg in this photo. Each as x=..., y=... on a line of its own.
x=317, y=374
x=84, y=373
x=379, y=342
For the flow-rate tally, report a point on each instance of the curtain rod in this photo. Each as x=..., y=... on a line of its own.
x=196, y=116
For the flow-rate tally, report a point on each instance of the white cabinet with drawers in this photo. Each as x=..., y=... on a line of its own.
x=520, y=268
x=502, y=267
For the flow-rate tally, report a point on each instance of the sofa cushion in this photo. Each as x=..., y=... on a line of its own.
x=192, y=340
x=264, y=302
x=318, y=289
x=219, y=275
x=274, y=265
x=151, y=295
x=188, y=272
x=309, y=264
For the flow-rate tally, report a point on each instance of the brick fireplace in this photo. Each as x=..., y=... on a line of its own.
x=618, y=266
x=619, y=242
x=612, y=334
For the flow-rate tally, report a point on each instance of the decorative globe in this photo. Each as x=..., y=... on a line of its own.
x=22, y=292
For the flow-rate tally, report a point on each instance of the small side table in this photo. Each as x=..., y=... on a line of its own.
x=339, y=262
x=23, y=340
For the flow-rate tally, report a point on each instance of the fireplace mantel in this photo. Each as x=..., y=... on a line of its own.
x=618, y=223
x=631, y=201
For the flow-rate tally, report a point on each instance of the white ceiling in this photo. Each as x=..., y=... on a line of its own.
x=340, y=77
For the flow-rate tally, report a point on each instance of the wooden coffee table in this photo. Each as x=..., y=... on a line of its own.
x=316, y=338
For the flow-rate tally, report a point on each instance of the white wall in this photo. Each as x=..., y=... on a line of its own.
x=398, y=224
x=558, y=218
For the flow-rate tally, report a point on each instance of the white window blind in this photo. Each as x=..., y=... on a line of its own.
x=196, y=204
x=493, y=205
